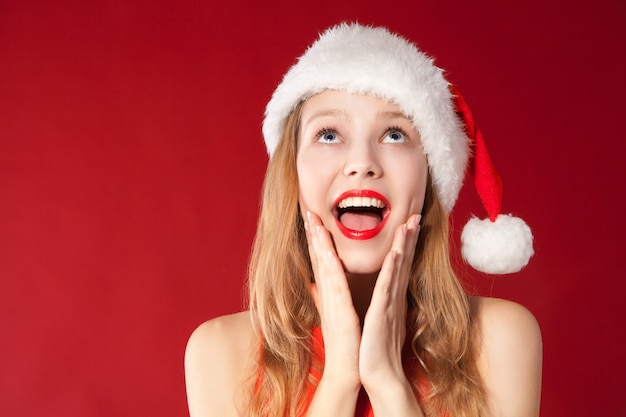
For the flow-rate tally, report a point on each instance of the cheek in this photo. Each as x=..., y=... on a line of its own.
x=309, y=185
x=411, y=181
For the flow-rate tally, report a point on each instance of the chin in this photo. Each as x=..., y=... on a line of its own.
x=361, y=264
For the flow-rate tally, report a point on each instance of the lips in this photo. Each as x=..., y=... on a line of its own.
x=361, y=214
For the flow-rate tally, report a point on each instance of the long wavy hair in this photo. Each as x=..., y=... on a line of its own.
x=284, y=314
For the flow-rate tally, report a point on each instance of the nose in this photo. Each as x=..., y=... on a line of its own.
x=362, y=161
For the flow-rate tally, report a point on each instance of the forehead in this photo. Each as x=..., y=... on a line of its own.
x=341, y=104
x=336, y=109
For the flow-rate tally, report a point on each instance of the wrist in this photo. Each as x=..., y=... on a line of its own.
x=393, y=398
x=343, y=383
x=334, y=396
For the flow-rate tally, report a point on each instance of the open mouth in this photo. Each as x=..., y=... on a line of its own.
x=361, y=214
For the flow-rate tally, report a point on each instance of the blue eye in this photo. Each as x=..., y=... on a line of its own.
x=395, y=136
x=328, y=136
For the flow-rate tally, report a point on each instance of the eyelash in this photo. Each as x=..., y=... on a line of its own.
x=324, y=131
x=399, y=130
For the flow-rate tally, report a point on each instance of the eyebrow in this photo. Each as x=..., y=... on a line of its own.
x=393, y=115
x=323, y=113
x=342, y=114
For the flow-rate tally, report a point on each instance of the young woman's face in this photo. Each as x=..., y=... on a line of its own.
x=361, y=168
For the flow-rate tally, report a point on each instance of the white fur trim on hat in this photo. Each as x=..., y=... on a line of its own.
x=500, y=247
x=366, y=60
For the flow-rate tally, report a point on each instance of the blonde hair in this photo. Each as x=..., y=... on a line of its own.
x=284, y=314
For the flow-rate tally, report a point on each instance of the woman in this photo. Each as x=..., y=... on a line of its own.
x=355, y=309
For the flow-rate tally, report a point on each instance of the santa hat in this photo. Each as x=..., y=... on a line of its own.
x=367, y=60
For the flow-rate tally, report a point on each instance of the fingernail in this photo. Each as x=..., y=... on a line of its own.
x=318, y=230
x=416, y=220
x=308, y=216
x=307, y=227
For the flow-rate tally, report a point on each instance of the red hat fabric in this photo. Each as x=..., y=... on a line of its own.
x=501, y=244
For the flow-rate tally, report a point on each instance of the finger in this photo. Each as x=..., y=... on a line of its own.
x=399, y=246
x=321, y=240
x=315, y=294
x=405, y=243
x=394, y=274
x=386, y=287
x=409, y=244
x=385, y=282
x=328, y=265
x=315, y=245
x=309, y=240
x=413, y=229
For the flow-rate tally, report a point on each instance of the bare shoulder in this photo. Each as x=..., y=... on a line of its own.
x=504, y=318
x=218, y=359
x=510, y=356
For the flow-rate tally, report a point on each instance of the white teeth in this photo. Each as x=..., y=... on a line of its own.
x=360, y=202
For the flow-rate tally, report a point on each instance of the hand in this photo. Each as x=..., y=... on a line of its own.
x=384, y=328
x=340, y=323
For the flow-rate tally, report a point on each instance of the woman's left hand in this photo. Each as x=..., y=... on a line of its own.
x=384, y=328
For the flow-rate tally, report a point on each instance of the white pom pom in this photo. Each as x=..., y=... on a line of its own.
x=501, y=247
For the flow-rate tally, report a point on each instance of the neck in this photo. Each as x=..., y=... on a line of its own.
x=361, y=288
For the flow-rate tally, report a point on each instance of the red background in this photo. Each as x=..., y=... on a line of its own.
x=131, y=161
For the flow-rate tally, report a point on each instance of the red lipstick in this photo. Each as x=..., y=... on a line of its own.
x=368, y=233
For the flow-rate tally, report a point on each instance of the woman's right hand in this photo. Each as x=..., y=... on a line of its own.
x=340, y=323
